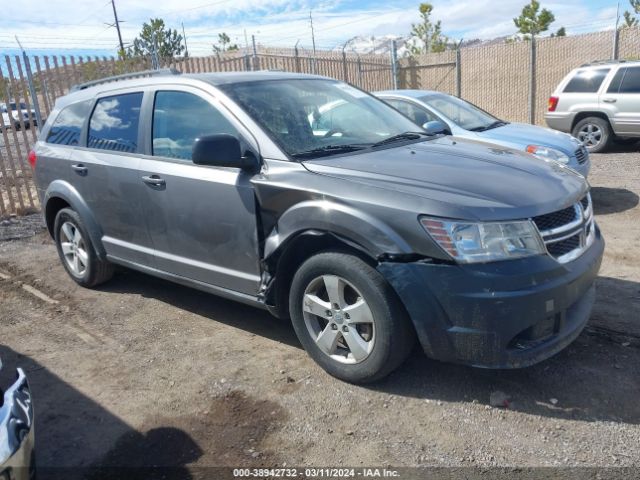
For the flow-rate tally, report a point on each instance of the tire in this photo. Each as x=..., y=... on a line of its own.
x=71, y=238
x=594, y=133
x=334, y=337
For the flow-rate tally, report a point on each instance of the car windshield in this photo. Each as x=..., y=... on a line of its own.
x=311, y=118
x=463, y=114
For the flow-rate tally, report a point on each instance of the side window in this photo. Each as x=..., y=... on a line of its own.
x=586, y=81
x=631, y=81
x=67, y=126
x=614, y=86
x=418, y=115
x=179, y=118
x=114, y=123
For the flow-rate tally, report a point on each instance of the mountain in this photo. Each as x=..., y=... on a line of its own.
x=374, y=45
x=382, y=45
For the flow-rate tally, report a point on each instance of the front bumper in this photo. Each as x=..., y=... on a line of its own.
x=498, y=315
x=17, y=432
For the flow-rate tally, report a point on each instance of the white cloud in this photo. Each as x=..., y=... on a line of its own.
x=274, y=22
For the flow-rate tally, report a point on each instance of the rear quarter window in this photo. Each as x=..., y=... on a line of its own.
x=586, y=81
x=631, y=81
x=114, y=123
x=67, y=127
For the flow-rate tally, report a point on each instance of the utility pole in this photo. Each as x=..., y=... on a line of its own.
x=313, y=41
x=117, y=23
x=184, y=35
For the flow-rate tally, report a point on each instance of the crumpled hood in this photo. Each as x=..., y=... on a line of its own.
x=520, y=135
x=473, y=179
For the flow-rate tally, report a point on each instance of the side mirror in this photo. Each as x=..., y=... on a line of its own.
x=436, y=127
x=221, y=150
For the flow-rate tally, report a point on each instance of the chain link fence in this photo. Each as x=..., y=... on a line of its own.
x=511, y=80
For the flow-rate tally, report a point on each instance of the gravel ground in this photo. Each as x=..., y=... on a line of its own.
x=144, y=372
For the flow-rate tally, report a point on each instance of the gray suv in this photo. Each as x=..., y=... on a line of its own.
x=366, y=231
x=598, y=103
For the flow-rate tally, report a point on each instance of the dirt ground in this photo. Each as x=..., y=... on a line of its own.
x=142, y=372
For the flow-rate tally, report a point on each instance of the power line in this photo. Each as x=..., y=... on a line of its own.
x=79, y=24
x=212, y=4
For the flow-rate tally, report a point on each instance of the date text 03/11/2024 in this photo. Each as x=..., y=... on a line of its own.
x=315, y=473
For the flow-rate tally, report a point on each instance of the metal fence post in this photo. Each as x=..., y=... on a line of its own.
x=359, y=72
x=297, y=58
x=532, y=82
x=345, y=74
x=32, y=89
x=255, y=53
x=616, y=34
x=458, y=73
x=394, y=65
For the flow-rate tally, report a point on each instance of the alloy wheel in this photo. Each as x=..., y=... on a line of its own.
x=338, y=319
x=73, y=248
x=590, y=135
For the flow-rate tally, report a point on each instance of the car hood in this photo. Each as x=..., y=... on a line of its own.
x=520, y=135
x=462, y=178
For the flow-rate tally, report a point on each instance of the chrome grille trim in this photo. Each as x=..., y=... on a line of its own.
x=583, y=225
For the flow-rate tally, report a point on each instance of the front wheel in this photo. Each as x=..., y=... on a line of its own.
x=594, y=133
x=348, y=318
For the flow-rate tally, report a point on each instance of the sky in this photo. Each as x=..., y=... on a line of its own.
x=82, y=27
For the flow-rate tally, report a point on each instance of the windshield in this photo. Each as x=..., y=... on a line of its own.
x=463, y=114
x=315, y=117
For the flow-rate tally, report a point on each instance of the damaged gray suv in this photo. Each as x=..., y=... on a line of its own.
x=312, y=199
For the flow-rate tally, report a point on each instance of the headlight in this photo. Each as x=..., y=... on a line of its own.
x=469, y=242
x=548, y=153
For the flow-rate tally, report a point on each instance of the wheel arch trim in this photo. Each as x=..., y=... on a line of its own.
x=65, y=191
x=372, y=235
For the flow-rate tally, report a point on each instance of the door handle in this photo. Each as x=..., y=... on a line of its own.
x=79, y=168
x=609, y=100
x=154, y=180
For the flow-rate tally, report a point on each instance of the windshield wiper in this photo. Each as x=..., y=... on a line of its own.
x=497, y=123
x=401, y=136
x=328, y=150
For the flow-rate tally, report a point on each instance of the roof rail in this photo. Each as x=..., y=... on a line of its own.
x=602, y=62
x=126, y=76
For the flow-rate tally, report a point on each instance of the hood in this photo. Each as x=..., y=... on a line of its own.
x=519, y=135
x=474, y=179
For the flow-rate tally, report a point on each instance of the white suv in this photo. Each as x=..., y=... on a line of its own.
x=14, y=112
x=598, y=103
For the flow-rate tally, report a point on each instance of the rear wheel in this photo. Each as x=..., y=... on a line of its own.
x=594, y=133
x=76, y=250
x=348, y=318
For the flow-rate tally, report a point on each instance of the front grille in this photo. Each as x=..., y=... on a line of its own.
x=568, y=232
x=581, y=155
x=555, y=219
x=557, y=249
